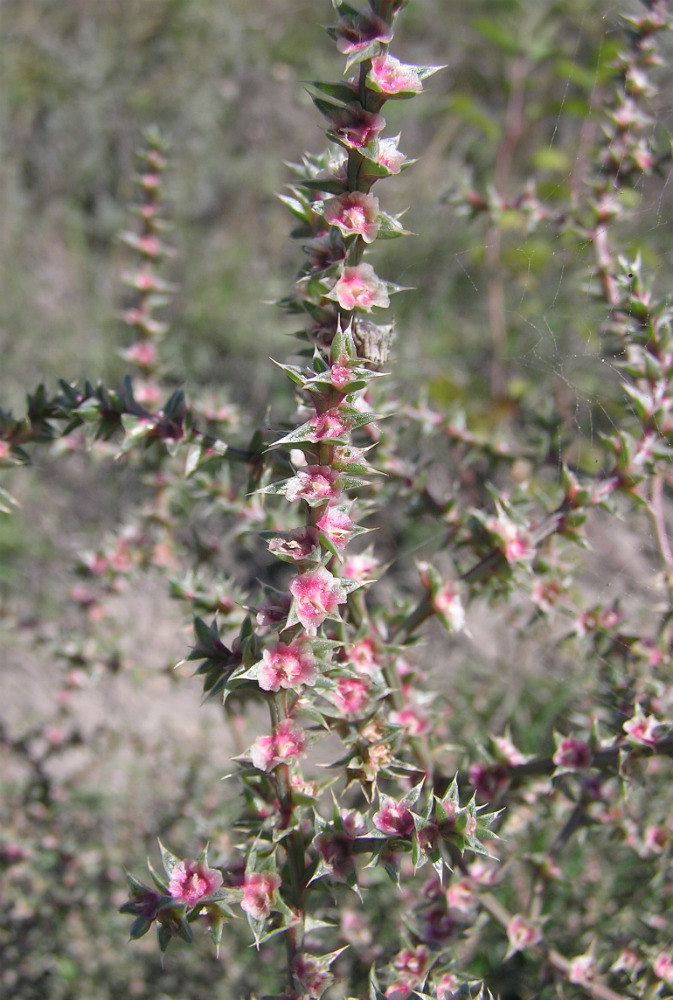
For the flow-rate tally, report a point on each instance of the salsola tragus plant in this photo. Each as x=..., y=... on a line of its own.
x=390, y=844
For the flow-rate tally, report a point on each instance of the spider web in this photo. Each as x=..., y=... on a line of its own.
x=553, y=319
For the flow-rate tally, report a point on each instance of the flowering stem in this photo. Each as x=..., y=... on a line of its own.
x=294, y=850
x=606, y=759
x=501, y=915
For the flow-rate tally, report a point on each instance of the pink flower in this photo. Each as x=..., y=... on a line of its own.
x=313, y=974
x=521, y=934
x=460, y=897
x=656, y=839
x=398, y=991
x=337, y=525
x=573, y=754
x=303, y=786
x=315, y=482
x=512, y=539
x=354, y=213
x=448, y=606
x=263, y=753
x=360, y=567
x=55, y=735
x=191, y=881
x=627, y=961
x=148, y=394
x=545, y=594
x=353, y=821
x=663, y=968
x=121, y=558
x=489, y=780
x=336, y=850
x=324, y=251
x=297, y=544
x=506, y=752
x=610, y=618
x=360, y=287
x=364, y=656
x=410, y=719
x=582, y=969
x=642, y=157
x=655, y=656
x=286, y=666
x=356, y=127
x=390, y=76
x=356, y=928
x=642, y=730
x=273, y=610
x=412, y=963
x=448, y=987
x=394, y=819
x=142, y=353
x=340, y=376
x=357, y=32
x=259, y=888
x=351, y=696
x=144, y=902
x=317, y=595
x=331, y=425
x=438, y=925
x=283, y=746
x=378, y=755
x=389, y=156
x=290, y=741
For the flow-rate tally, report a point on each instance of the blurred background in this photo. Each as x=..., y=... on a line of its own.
x=480, y=332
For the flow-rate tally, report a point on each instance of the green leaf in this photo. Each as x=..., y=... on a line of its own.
x=159, y=882
x=362, y=55
x=326, y=184
x=344, y=9
x=425, y=71
x=139, y=927
x=169, y=860
x=164, y=937
x=374, y=989
x=207, y=635
x=331, y=110
x=301, y=210
x=337, y=91
x=294, y=373
x=136, y=429
x=390, y=227
x=175, y=406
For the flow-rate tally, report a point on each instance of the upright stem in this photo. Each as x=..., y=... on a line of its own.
x=294, y=850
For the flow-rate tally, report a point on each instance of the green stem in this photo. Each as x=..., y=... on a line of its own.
x=294, y=849
x=421, y=613
x=497, y=912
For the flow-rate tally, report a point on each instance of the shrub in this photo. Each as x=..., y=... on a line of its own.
x=413, y=822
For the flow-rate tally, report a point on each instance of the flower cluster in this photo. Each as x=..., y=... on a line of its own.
x=350, y=696
x=149, y=289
